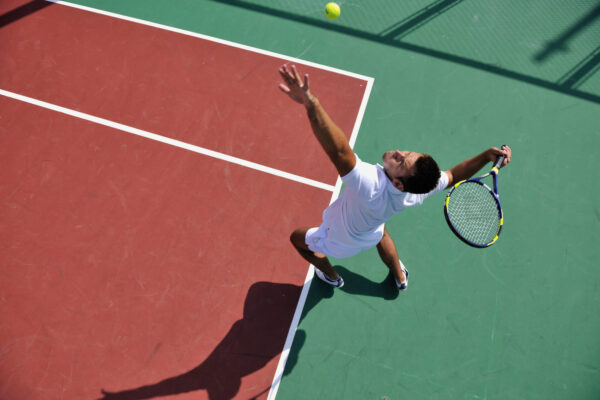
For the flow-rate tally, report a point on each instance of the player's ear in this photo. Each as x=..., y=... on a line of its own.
x=398, y=184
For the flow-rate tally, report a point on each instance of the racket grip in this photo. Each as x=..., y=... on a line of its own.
x=499, y=160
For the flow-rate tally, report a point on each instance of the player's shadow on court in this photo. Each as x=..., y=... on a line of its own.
x=357, y=284
x=249, y=345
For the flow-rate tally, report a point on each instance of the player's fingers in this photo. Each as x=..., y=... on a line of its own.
x=289, y=73
x=282, y=73
x=296, y=76
x=289, y=81
x=495, y=152
x=499, y=152
x=285, y=73
x=306, y=81
x=285, y=89
x=506, y=150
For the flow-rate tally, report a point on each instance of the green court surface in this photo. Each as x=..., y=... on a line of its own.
x=519, y=320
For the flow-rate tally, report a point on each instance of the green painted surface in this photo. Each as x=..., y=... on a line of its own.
x=519, y=320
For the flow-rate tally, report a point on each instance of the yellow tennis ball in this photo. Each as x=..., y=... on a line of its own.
x=332, y=10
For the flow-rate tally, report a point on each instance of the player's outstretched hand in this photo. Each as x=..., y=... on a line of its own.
x=294, y=86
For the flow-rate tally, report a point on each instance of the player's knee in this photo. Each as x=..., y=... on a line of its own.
x=297, y=238
x=293, y=238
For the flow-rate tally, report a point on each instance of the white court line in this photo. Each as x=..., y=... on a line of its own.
x=336, y=190
x=212, y=39
x=369, y=80
x=169, y=141
x=311, y=270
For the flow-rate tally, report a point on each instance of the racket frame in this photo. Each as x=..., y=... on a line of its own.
x=494, y=172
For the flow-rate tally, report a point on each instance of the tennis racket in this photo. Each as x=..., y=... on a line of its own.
x=473, y=210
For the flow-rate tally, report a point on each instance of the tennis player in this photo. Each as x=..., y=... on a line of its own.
x=372, y=193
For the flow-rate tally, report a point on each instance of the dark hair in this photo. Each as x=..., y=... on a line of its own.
x=425, y=179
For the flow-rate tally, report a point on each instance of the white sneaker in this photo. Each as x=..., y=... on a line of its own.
x=338, y=283
x=402, y=286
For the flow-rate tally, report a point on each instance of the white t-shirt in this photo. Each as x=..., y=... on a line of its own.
x=356, y=219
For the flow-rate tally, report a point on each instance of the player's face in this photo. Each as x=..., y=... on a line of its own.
x=399, y=165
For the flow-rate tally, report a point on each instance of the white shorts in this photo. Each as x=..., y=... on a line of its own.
x=320, y=240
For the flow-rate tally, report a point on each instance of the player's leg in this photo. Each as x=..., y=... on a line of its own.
x=320, y=261
x=389, y=256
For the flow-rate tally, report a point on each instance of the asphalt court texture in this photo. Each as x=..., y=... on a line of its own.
x=118, y=251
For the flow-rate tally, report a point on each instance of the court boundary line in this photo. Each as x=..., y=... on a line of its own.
x=311, y=268
x=212, y=39
x=169, y=141
x=335, y=189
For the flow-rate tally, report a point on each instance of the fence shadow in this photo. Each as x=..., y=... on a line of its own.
x=392, y=38
x=23, y=11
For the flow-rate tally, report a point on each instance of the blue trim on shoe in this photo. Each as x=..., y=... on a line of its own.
x=338, y=283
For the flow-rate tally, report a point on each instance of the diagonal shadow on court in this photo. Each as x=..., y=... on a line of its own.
x=23, y=11
x=391, y=38
x=421, y=17
x=584, y=69
x=561, y=43
x=359, y=285
x=249, y=345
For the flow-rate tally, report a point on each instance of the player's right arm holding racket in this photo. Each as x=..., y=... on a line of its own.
x=468, y=168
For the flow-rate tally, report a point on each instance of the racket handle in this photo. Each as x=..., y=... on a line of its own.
x=499, y=160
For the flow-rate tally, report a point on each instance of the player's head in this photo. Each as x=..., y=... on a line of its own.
x=410, y=171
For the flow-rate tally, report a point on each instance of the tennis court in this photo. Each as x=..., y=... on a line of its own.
x=153, y=172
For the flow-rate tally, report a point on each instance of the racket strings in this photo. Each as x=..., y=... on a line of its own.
x=473, y=211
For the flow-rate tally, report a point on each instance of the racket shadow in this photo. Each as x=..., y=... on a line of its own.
x=359, y=285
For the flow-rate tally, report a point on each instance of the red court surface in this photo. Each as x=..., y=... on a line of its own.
x=126, y=261
x=136, y=267
x=197, y=91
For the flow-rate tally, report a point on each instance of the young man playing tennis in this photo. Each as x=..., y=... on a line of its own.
x=372, y=194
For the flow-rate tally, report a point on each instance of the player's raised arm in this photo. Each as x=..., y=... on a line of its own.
x=468, y=168
x=330, y=136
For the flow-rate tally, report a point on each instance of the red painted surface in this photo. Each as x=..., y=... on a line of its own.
x=126, y=262
x=129, y=265
x=197, y=91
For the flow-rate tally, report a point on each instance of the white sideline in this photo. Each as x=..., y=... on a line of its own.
x=335, y=189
